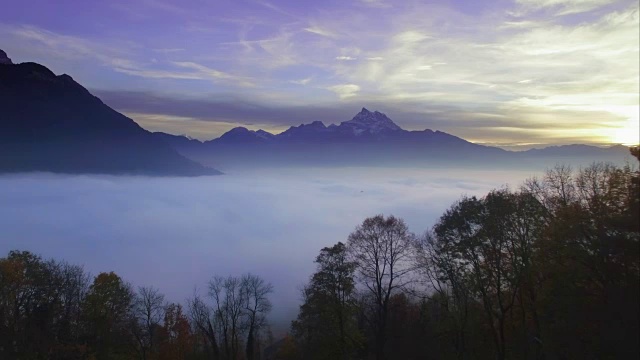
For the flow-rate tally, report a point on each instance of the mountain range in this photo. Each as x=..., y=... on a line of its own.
x=371, y=138
x=51, y=123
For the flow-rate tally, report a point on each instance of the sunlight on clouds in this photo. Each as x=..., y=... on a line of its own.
x=410, y=37
x=628, y=131
x=497, y=136
x=565, y=7
x=304, y=81
x=345, y=91
x=198, y=129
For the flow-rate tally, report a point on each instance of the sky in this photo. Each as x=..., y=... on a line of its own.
x=510, y=73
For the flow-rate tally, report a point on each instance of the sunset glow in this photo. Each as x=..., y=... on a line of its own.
x=500, y=71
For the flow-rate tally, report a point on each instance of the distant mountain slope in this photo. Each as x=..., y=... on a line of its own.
x=371, y=138
x=578, y=150
x=52, y=123
x=368, y=139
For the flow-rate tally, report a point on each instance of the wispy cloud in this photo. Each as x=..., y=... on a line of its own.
x=563, y=7
x=196, y=128
x=275, y=8
x=376, y=3
x=213, y=73
x=193, y=71
x=304, y=81
x=320, y=31
x=67, y=47
x=118, y=58
x=169, y=50
x=345, y=91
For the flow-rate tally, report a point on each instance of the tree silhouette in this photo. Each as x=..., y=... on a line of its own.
x=381, y=247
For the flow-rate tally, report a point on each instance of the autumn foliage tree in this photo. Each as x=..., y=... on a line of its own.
x=107, y=316
x=54, y=310
x=38, y=299
x=175, y=337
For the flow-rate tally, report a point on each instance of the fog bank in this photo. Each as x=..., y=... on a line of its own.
x=176, y=233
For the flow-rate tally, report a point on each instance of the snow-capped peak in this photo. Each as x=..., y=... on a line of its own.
x=370, y=122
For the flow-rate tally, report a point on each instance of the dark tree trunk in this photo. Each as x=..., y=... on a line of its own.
x=250, y=344
x=214, y=344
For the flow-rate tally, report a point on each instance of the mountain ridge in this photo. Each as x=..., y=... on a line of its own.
x=371, y=138
x=52, y=123
x=317, y=126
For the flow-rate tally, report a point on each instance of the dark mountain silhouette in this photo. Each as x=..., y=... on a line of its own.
x=52, y=123
x=371, y=138
x=4, y=59
x=242, y=135
x=578, y=150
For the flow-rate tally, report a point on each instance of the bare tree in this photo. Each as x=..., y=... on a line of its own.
x=73, y=289
x=203, y=319
x=255, y=293
x=228, y=307
x=382, y=248
x=148, y=314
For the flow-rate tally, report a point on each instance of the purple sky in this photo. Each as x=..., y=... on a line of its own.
x=517, y=73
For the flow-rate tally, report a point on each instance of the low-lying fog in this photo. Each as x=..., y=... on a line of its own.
x=176, y=233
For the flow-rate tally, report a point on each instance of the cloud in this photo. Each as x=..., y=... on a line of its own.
x=169, y=50
x=304, y=81
x=207, y=118
x=157, y=74
x=68, y=47
x=320, y=31
x=275, y=8
x=210, y=117
x=120, y=59
x=376, y=3
x=197, y=128
x=564, y=7
x=213, y=73
x=410, y=37
x=200, y=72
x=345, y=58
x=345, y=91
